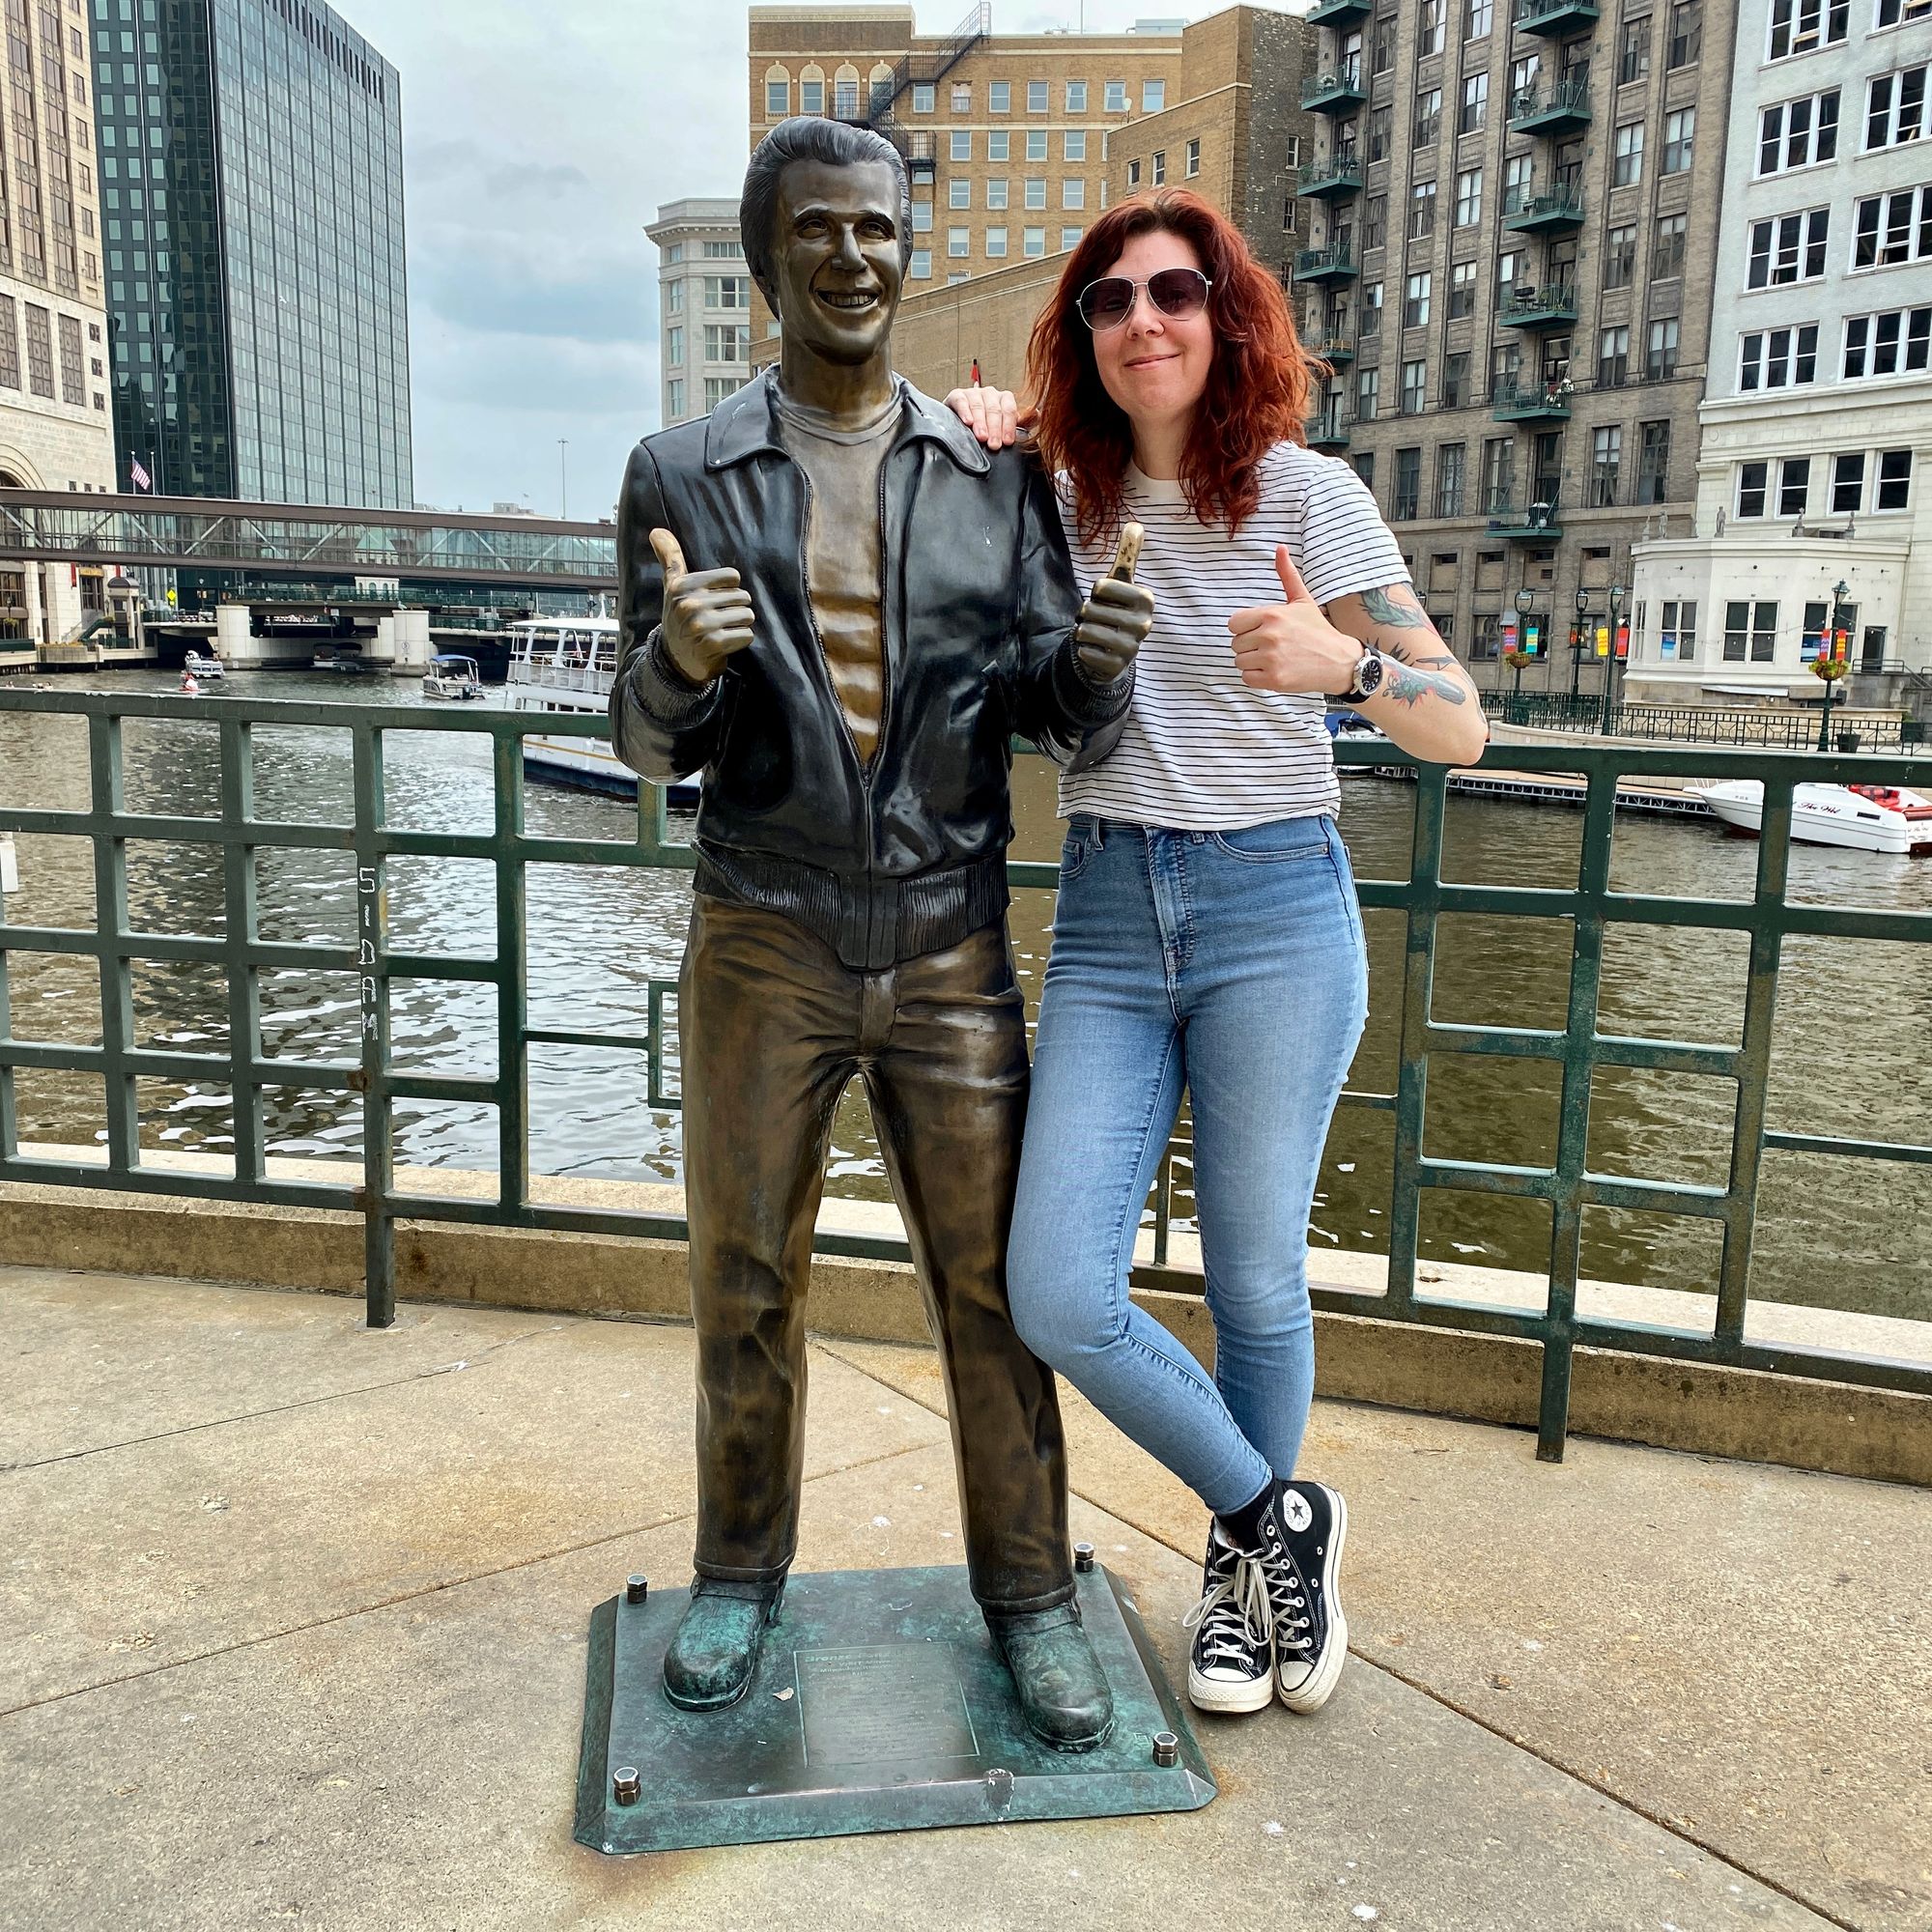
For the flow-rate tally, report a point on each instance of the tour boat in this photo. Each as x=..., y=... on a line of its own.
x=453, y=677
x=205, y=666
x=1861, y=818
x=566, y=666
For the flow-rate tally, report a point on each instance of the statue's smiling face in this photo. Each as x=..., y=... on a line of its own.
x=838, y=255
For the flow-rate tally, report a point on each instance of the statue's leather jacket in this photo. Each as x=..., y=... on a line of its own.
x=907, y=855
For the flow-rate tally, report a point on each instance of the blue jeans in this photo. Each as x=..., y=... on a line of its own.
x=1233, y=964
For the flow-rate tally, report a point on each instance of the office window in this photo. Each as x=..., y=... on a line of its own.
x=1455, y=394
x=1427, y=116
x=674, y=398
x=1498, y=484
x=1133, y=174
x=1116, y=97
x=728, y=342
x=1613, y=354
x=1677, y=639
x=999, y=96
x=1627, y=168
x=1193, y=158
x=998, y=145
x=1895, y=107
x=1888, y=343
x=1889, y=229
x=1415, y=304
x=1403, y=502
x=1461, y=291
x=1680, y=134
x=1450, y=466
x=1788, y=248
x=922, y=218
x=1429, y=31
x=1894, y=480
x=1606, y=456
x=1153, y=96
x=675, y=303
x=1796, y=134
x=959, y=192
x=1414, y=388
x=1803, y=26
x=674, y=346
x=1778, y=358
x=1653, y=463
x=778, y=100
x=1069, y=238
x=958, y=242
x=1794, y=485
x=717, y=388
x=1076, y=96
x=1032, y=240
x=1687, y=33
x=920, y=268
x=1035, y=148
x=1074, y=192
x=962, y=144
x=1620, y=258
x=1478, y=18
x=1891, y=13
x=1073, y=145
x=1475, y=113
x=1365, y=468
x=1634, y=51
x=1369, y=309
x=1421, y=210
x=1368, y=394
x=1666, y=247
x=1375, y=221
x=1468, y=197
x=1036, y=191
x=1040, y=95
x=728, y=292
x=812, y=96
x=924, y=97
x=1661, y=362
x=1379, y=126
x=997, y=192
x=996, y=242
x=1158, y=172
x=963, y=97
x=1848, y=483
x=1751, y=632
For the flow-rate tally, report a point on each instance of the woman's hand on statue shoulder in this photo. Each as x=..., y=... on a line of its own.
x=994, y=416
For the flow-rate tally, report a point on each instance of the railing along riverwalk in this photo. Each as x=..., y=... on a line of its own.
x=1590, y=907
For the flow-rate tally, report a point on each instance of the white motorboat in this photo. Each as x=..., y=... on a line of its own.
x=452, y=677
x=1861, y=818
x=566, y=666
x=1350, y=727
x=205, y=666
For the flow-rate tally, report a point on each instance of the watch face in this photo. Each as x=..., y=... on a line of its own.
x=1369, y=675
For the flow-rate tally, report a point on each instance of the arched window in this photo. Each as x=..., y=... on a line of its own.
x=777, y=94
x=811, y=90
x=845, y=93
x=880, y=88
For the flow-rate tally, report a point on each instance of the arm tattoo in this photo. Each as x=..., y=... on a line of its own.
x=1410, y=687
x=1383, y=609
x=1406, y=654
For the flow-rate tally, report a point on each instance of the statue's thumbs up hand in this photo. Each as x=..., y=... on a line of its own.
x=707, y=615
x=1114, y=621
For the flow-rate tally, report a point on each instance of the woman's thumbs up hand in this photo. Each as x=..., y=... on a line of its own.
x=1290, y=645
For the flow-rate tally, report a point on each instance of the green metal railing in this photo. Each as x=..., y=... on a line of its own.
x=1591, y=908
x=1695, y=724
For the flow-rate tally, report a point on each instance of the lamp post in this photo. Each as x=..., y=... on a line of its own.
x=1525, y=603
x=1832, y=663
x=1577, y=642
x=1611, y=662
x=563, y=478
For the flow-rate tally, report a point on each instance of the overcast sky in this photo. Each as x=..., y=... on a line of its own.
x=538, y=141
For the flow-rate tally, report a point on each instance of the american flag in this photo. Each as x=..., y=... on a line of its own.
x=139, y=474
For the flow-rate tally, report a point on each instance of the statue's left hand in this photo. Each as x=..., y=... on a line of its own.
x=1116, y=619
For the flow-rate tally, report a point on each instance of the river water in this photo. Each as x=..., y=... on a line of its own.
x=1853, y=1052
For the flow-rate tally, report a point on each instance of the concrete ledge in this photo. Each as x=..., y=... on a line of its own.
x=1834, y=1427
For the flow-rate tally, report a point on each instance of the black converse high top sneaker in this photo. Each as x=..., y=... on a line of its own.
x=1302, y=1533
x=1231, y=1666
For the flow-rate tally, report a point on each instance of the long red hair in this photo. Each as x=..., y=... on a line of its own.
x=1258, y=387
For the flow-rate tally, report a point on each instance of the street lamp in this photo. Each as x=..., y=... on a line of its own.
x=1525, y=602
x=1577, y=640
x=1610, y=664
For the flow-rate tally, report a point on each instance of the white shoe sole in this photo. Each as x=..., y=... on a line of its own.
x=1314, y=1691
x=1227, y=1698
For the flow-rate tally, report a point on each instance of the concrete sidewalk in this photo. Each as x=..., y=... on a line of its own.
x=293, y=1621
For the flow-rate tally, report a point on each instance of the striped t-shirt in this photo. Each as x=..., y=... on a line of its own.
x=1201, y=750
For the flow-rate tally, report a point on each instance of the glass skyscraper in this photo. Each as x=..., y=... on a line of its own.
x=251, y=208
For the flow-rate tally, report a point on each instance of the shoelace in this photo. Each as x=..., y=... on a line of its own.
x=1235, y=1616
x=1287, y=1601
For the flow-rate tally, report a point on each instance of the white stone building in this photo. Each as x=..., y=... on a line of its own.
x=704, y=307
x=1815, y=458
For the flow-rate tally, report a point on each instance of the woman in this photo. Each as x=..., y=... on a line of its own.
x=1207, y=934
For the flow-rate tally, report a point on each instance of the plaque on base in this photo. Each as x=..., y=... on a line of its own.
x=879, y=1705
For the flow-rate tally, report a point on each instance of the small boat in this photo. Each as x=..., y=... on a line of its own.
x=1859, y=818
x=453, y=677
x=205, y=666
x=1350, y=727
x=329, y=658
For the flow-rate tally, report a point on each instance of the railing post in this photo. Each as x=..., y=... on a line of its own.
x=372, y=949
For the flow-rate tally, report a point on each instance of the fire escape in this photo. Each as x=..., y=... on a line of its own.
x=926, y=68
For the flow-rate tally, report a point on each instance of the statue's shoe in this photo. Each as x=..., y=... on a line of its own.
x=714, y=1651
x=1062, y=1687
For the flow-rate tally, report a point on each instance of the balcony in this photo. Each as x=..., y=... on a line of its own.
x=1329, y=431
x=1554, y=211
x=1334, y=93
x=1530, y=402
x=1330, y=180
x=1333, y=350
x=1324, y=265
x=1339, y=13
x=1534, y=522
x=1552, y=306
x=1561, y=110
x=1556, y=20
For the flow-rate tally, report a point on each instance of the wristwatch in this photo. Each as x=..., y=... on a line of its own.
x=1371, y=667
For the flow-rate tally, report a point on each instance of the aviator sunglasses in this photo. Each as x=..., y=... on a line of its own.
x=1108, y=302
